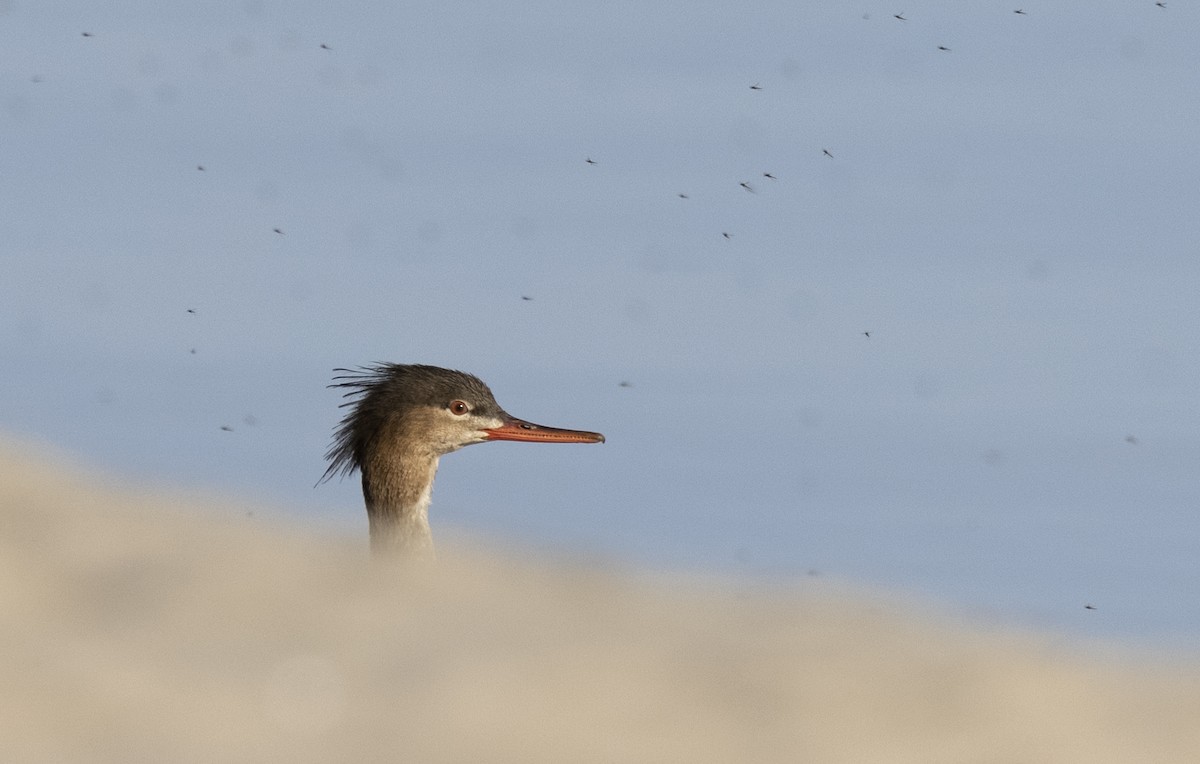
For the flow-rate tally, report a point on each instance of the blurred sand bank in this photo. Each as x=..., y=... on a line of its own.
x=144, y=628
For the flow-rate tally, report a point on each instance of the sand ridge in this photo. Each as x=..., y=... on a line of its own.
x=139, y=627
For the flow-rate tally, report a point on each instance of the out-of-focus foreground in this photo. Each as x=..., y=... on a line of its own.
x=141, y=628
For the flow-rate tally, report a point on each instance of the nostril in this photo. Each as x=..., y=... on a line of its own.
x=528, y=427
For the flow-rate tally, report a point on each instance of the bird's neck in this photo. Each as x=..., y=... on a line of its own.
x=397, y=491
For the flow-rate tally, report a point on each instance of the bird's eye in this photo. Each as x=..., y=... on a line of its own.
x=458, y=408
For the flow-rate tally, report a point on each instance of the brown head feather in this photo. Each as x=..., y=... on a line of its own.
x=383, y=393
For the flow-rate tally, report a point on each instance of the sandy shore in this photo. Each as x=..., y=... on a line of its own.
x=143, y=628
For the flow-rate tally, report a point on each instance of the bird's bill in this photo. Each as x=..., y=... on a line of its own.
x=519, y=429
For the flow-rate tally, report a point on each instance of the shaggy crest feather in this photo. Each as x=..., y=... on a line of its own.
x=379, y=391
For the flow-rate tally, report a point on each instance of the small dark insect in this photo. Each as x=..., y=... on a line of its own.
x=826, y=153
x=278, y=231
x=191, y=310
x=899, y=15
x=727, y=235
x=87, y=34
x=625, y=384
x=683, y=196
x=1089, y=607
x=867, y=335
x=747, y=187
x=943, y=47
x=526, y=299
x=1020, y=12
x=591, y=161
x=756, y=86
x=226, y=428
x=769, y=175
x=325, y=47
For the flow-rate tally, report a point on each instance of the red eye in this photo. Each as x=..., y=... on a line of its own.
x=458, y=408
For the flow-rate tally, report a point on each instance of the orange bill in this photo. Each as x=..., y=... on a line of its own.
x=519, y=429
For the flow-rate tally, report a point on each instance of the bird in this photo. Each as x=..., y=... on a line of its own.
x=325, y=47
x=867, y=335
x=769, y=175
x=756, y=86
x=86, y=34
x=683, y=196
x=200, y=167
x=402, y=419
x=526, y=298
x=899, y=15
x=747, y=186
x=726, y=234
x=826, y=153
x=278, y=231
x=591, y=161
x=943, y=47
x=1020, y=12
